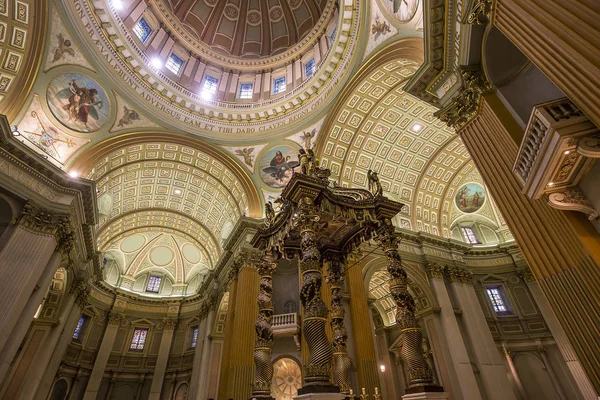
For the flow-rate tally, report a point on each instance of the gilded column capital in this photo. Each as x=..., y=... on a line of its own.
x=36, y=219
x=115, y=319
x=81, y=290
x=465, y=105
x=434, y=271
x=46, y=222
x=459, y=274
x=169, y=324
x=526, y=274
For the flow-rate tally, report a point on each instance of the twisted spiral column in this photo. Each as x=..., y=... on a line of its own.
x=261, y=388
x=341, y=360
x=315, y=311
x=419, y=373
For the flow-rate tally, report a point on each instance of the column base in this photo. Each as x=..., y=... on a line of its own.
x=426, y=393
x=320, y=396
x=320, y=390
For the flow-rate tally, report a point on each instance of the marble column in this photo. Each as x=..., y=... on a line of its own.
x=458, y=363
x=24, y=258
x=163, y=357
x=43, y=358
x=20, y=330
x=492, y=369
x=241, y=356
x=201, y=393
x=108, y=340
x=514, y=373
x=195, y=378
x=82, y=299
x=364, y=348
x=562, y=38
x=556, y=250
x=580, y=378
x=223, y=375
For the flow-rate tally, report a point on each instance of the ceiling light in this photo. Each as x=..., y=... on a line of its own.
x=567, y=152
x=156, y=63
x=177, y=191
x=382, y=368
x=74, y=174
x=551, y=184
x=417, y=127
x=117, y=4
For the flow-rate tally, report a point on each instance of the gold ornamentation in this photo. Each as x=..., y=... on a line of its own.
x=434, y=271
x=261, y=388
x=418, y=370
x=341, y=360
x=459, y=274
x=464, y=107
x=115, y=319
x=573, y=199
x=169, y=324
x=480, y=13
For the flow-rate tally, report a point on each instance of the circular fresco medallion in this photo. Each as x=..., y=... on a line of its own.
x=78, y=102
x=470, y=197
x=277, y=166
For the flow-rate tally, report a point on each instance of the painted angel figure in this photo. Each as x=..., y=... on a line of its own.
x=82, y=102
x=374, y=184
x=246, y=153
x=64, y=47
x=307, y=138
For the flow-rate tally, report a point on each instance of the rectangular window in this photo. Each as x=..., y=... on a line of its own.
x=496, y=299
x=142, y=30
x=78, y=328
x=309, y=68
x=332, y=36
x=469, y=235
x=246, y=90
x=279, y=85
x=174, y=64
x=210, y=85
x=153, y=284
x=139, y=339
x=195, y=336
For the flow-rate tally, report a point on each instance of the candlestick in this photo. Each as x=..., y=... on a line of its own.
x=364, y=391
x=376, y=390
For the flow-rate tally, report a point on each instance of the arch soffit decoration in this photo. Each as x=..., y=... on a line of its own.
x=376, y=125
x=168, y=183
x=376, y=281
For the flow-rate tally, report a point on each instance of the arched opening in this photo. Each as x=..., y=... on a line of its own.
x=60, y=390
x=287, y=379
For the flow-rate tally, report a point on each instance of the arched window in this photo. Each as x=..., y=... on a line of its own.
x=59, y=391
x=289, y=307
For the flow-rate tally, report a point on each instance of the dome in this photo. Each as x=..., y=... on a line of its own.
x=245, y=28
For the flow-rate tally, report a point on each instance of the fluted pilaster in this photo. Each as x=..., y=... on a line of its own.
x=562, y=38
x=554, y=250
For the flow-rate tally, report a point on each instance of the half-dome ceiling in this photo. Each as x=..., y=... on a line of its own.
x=248, y=28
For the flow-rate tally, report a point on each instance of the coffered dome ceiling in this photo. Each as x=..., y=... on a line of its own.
x=247, y=28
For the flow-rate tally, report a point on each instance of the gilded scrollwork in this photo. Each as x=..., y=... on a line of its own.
x=573, y=199
x=480, y=13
